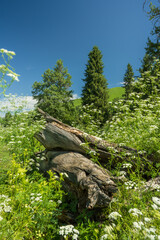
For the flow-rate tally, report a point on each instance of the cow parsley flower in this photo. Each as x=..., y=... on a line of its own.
x=114, y=215
x=146, y=219
x=138, y=225
x=156, y=200
x=105, y=236
x=135, y=212
x=7, y=208
x=108, y=229
x=69, y=230
x=151, y=230
x=15, y=77
x=155, y=207
x=127, y=165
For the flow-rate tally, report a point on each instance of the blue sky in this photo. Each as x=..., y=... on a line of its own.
x=41, y=32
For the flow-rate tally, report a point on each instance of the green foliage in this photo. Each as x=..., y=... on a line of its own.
x=53, y=94
x=6, y=121
x=29, y=205
x=6, y=71
x=95, y=89
x=19, y=135
x=153, y=45
x=149, y=82
x=114, y=93
x=128, y=81
x=146, y=64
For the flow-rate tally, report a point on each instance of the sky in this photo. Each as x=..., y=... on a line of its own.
x=41, y=32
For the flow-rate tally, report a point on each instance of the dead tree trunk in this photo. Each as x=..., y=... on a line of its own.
x=91, y=184
x=65, y=153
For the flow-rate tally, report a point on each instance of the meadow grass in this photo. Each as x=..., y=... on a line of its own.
x=114, y=93
x=5, y=161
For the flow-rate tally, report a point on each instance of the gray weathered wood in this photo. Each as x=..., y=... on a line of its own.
x=91, y=184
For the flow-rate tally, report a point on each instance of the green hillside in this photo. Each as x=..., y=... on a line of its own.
x=116, y=92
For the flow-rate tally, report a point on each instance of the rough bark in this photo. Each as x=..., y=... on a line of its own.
x=91, y=184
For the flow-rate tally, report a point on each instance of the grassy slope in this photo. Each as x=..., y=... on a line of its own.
x=5, y=160
x=116, y=92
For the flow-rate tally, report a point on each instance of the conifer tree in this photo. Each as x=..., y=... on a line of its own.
x=95, y=91
x=53, y=94
x=153, y=45
x=128, y=81
x=146, y=64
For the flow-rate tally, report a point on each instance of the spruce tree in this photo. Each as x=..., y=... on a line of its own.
x=153, y=45
x=128, y=81
x=53, y=94
x=95, y=90
x=146, y=64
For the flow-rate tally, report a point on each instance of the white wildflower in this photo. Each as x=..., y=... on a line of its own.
x=15, y=77
x=38, y=199
x=82, y=144
x=108, y=229
x=135, y=211
x=69, y=229
x=1, y=218
x=138, y=225
x=7, y=208
x=146, y=219
x=114, y=215
x=3, y=196
x=75, y=231
x=75, y=237
x=129, y=184
x=92, y=152
x=151, y=230
x=151, y=237
x=12, y=52
x=122, y=173
x=105, y=236
x=2, y=66
x=64, y=174
x=127, y=165
x=2, y=50
x=155, y=207
x=156, y=200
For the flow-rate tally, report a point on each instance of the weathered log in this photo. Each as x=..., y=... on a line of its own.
x=91, y=184
x=58, y=135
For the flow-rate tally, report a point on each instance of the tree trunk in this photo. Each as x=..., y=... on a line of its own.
x=91, y=184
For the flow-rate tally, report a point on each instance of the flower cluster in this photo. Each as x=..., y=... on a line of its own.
x=4, y=205
x=36, y=197
x=156, y=203
x=130, y=184
x=7, y=70
x=135, y=212
x=114, y=215
x=127, y=165
x=69, y=230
